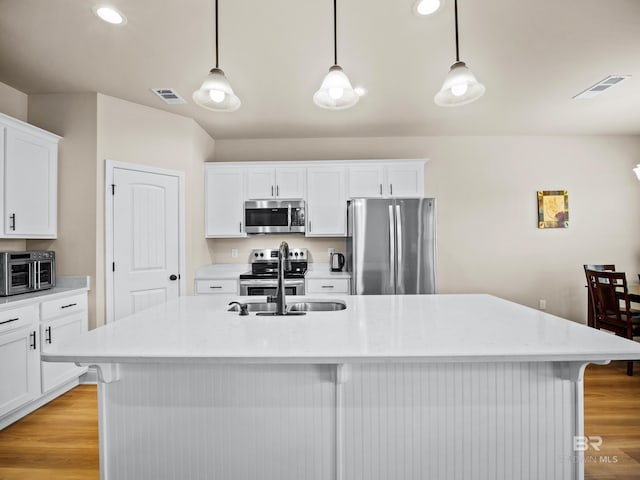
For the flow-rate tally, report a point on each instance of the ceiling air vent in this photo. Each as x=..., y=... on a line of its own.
x=169, y=95
x=600, y=87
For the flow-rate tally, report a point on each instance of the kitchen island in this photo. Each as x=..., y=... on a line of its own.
x=393, y=387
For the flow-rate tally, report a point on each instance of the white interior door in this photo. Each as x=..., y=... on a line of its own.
x=146, y=240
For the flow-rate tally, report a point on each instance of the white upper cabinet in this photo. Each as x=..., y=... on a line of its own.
x=392, y=178
x=278, y=182
x=29, y=176
x=224, y=201
x=366, y=181
x=326, y=201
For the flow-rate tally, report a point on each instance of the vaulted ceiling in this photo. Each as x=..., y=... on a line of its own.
x=532, y=56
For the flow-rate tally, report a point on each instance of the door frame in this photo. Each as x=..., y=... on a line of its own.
x=110, y=166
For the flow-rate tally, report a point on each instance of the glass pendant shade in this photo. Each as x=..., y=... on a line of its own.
x=459, y=88
x=637, y=171
x=336, y=92
x=216, y=93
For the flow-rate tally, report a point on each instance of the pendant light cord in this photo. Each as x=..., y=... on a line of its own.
x=335, y=34
x=455, y=9
x=216, y=33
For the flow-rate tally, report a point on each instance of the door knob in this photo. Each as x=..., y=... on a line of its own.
x=173, y=277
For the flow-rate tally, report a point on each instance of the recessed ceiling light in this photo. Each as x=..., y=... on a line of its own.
x=110, y=14
x=427, y=7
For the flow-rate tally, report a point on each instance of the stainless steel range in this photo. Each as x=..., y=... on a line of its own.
x=263, y=277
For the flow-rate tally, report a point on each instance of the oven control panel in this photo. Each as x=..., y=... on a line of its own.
x=271, y=254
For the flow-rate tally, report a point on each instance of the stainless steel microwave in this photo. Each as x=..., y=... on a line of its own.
x=23, y=272
x=274, y=216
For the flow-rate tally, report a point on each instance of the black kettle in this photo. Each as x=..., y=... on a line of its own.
x=337, y=262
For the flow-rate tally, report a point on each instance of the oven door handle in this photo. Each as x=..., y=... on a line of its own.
x=289, y=217
x=270, y=283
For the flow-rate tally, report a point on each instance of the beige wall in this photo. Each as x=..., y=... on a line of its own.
x=128, y=132
x=73, y=117
x=488, y=240
x=14, y=104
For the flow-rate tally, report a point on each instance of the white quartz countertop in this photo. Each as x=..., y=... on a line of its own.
x=65, y=286
x=323, y=271
x=411, y=328
x=221, y=271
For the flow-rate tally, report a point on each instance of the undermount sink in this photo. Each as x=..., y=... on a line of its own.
x=256, y=307
x=316, y=306
x=307, y=306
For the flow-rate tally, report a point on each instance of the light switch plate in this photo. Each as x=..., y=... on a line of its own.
x=234, y=253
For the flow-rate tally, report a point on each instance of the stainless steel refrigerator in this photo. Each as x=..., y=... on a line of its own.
x=390, y=246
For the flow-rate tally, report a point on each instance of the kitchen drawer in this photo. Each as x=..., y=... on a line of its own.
x=207, y=287
x=17, y=317
x=329, y=285
x=63, y=306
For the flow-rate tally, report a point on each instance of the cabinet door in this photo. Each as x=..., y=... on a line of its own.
x=224, y=202
x=20, y=373
x=405, y=180
x=290, y=182
x=54, y=374
x=366, y=181
x=261, y=182
x=326, y=202
x=30, y=180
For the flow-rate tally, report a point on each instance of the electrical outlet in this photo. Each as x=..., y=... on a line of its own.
x=542, y=304
x=331, y=251
x=234, y=253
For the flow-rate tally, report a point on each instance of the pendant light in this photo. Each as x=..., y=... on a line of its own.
x=336, y=92
x=460, y=86
x=216, y=93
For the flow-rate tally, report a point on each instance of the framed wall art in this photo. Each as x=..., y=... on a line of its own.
x=553, y=209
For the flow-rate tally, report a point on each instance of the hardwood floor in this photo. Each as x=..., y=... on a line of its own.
x=60, y=441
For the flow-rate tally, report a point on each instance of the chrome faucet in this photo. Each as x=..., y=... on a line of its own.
x=284, y=264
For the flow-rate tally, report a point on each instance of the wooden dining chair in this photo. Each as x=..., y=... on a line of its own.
x=613, y=306
x=590, y=305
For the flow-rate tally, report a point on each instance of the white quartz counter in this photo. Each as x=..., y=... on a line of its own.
x=65, y=286
x=323, y=271
x=221, y=271
x=412, y=328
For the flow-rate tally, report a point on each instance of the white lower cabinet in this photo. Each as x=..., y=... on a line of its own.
x=19, y=358
x=26, y=382
x=209, y=287
x=321, y=286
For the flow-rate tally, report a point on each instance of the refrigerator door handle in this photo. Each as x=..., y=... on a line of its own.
x=399, y=259
x=392, y=249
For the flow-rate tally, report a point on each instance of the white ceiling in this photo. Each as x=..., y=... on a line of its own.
x=532, y=56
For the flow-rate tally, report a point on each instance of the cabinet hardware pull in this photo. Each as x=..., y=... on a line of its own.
x=380, y=189
x=70, y=305
x=13, y=221
x=391, y=189
x=10, y=320
x=32, y=342
x=277, y=190
x=327, y=286
x=272, y=190
x=47, y=337
x=215, y=286
x=309, y=225
x=240, y=227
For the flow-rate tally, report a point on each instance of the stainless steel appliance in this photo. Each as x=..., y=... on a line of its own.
x=22, y=272
x=274, y=216
x=263, y=278
x=391, y=246
x=337, y=262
